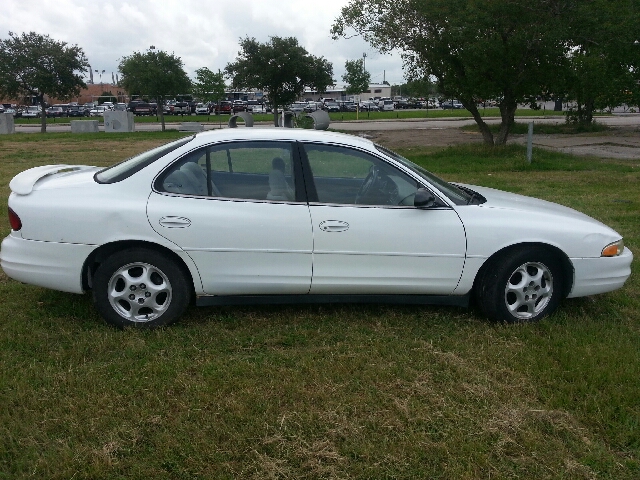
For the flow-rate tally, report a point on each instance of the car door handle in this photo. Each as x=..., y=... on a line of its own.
x=175, y=222
x=334, y=226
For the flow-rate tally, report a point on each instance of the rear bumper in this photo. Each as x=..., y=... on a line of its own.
x=600, y=275
x=46, y=264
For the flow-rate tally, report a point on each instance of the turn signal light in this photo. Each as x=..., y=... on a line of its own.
x=613, y=249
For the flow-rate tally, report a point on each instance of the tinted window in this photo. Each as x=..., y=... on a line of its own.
x=127, y=168
x=346, y=176
x=242, y=170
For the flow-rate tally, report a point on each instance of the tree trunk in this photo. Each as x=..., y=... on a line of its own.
x=43, y=118
x=484, y=128
x=275, y=117
x=507, y=112
x=160, y=103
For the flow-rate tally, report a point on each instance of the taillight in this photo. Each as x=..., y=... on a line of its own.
x=14, y=220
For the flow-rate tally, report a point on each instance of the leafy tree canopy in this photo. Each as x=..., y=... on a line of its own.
x=356, y=77
x=155, y=74
x=36, y=65
x=503, y=49
x=604, y=57
x=280, y=67
x=209, y=86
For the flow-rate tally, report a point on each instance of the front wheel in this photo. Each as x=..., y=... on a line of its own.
x=521, y=286
x=140, y=288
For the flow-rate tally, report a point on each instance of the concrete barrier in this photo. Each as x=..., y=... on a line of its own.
x=7, y=124
x=84, y=126
x=118, y=121
x=246, y=116
x=288, y=119
x=320, y=118
x=191, y=127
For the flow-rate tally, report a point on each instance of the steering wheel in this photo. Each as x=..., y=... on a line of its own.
x=369, y=181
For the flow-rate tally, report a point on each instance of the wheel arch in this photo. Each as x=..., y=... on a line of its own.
x=104, y=251
x=565, y=262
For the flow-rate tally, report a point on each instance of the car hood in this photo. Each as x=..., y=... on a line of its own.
x=51, y=176
x=520, y=203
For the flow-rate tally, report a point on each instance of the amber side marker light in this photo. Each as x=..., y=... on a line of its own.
x=14, y=220
x=613, y=250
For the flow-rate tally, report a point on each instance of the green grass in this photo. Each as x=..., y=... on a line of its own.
x=332, y=391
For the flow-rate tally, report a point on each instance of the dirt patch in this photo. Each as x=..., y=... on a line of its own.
x=617, y=143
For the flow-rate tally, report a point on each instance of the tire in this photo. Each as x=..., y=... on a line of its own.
x=523, y=285
x=140, y=288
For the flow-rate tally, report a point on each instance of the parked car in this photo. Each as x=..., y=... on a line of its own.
x=55, y=112
x=98, y=111
x=313, y=217
x=223, y=106
x=120, y=107
x=347, y=106
x=254, y=106
x=368, y=105
x=77, y=111
x=451, y=105
x=180, y=108
x=297, y=107
x=31, y=112
x=386, y=105
x=238, y=106
x=142, y=108
x=202, y=109
x=331, y=106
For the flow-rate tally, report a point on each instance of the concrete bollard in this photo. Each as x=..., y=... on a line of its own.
x=84, y=126
x=118, y=121
x=7, y=124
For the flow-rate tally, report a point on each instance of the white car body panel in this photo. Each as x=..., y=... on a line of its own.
x=378, y=250
x=240, y=247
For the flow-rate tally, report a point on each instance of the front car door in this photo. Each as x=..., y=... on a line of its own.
x=368, y=238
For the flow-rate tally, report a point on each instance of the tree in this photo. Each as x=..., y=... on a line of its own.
x=356, y=77
x=474, y=49
x=156, y=74
x=422, y=87
x=281, y=68
x=604, y=58
x=209, y=86
x=35, y=65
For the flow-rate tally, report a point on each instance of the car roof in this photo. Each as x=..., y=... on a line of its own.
x=291, y=134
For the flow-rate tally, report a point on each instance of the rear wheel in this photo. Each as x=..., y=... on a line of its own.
x=140, y=288
x=521, y=286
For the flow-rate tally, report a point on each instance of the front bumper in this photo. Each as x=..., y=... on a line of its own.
x=600, y=275
x=46, y=264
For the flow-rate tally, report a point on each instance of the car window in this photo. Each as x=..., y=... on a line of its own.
x=240, y=170
x=350, y=177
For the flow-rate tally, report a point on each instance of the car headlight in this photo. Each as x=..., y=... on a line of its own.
x=613, y=249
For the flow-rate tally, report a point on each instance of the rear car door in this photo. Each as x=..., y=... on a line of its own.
x=239, y=210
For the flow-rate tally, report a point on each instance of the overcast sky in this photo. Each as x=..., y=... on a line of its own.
x=203, y=33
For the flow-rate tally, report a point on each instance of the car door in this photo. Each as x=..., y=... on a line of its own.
x=237, y=209
x=368, y=237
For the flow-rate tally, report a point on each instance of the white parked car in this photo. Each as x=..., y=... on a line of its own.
x=202, y=109
x=98, y=111
x=32, y=112
x=293, y=215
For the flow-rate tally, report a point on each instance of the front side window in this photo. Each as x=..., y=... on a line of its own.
x=239, y=170
x=350, y=177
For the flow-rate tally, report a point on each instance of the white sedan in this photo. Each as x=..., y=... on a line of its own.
x=286, y=215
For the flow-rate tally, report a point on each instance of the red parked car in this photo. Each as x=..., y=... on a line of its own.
x=223, y=107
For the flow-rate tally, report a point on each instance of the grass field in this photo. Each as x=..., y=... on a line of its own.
x=331, y=391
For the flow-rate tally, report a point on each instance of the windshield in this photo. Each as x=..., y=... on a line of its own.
x=128, y=167
x=453, y=193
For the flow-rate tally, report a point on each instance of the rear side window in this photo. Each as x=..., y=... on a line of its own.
x=125, y=169
x=239, y=170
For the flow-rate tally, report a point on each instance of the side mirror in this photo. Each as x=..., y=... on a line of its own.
x=423, y=199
